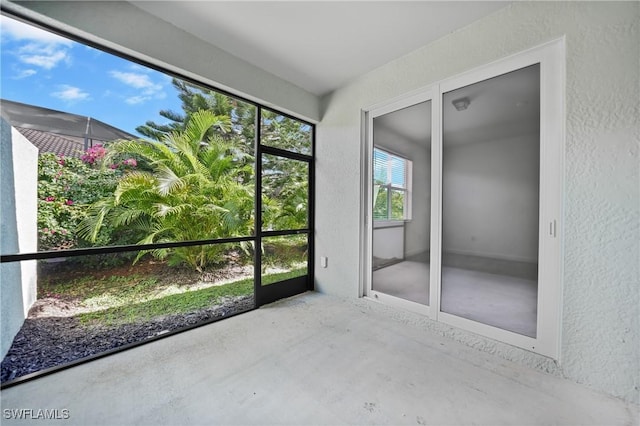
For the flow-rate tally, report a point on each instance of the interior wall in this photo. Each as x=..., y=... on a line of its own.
x=601, y=295
x=122, y=26
x=388, y=241
x=500, y=173
x=418, y=229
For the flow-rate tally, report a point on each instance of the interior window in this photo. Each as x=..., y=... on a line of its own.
x=391, y=175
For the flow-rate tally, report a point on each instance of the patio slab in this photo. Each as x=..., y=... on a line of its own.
x=311, y=359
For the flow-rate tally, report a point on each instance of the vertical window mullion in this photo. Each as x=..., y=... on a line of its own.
x=389, y=202
x=257, y=249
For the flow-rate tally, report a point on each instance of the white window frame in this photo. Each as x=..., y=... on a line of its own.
x=408, y=172
x=366, y=228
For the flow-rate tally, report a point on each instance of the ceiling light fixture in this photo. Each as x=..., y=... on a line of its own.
x=461, y=104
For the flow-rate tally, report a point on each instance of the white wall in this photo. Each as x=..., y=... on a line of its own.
x=18, y=230
x=388, y=241
x=600, y=332
x=490, y=198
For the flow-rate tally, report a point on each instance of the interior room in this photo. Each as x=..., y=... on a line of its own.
x=491, y=159
x=401, y=226
x=469, y=223
x=490, y=204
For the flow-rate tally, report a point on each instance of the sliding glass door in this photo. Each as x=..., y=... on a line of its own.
x=285, y=148
x=400, y=197
x=490, y=201
x=464, y=198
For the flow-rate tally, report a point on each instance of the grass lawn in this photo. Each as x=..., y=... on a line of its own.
x=129, y=298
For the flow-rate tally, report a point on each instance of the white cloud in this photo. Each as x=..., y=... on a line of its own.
x=136, y=80
x=134, y=100
x=16, y=30
x=45, y=56
x=147, y=88
x=37, y=47
x=70, y=93
x=24, y=74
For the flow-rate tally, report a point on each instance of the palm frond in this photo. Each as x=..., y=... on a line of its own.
x=168, y=181
x=89, y=227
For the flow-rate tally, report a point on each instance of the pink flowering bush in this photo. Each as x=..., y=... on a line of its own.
x=66, y=187
x=130, y=162
x=94, y=154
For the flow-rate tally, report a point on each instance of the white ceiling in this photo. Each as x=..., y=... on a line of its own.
x=500, y=107
x=412, y=123
x=319, y=46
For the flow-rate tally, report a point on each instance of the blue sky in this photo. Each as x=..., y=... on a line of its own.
x=43, y=69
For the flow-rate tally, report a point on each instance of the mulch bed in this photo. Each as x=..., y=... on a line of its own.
x=45, y=342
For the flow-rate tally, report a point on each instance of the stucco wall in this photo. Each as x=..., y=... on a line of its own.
x=600, y=330
x=18, y=230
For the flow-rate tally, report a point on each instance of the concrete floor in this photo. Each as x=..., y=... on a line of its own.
x=312, y=359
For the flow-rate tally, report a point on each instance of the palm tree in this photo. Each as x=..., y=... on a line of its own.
x=200, y=187
x=196, y=98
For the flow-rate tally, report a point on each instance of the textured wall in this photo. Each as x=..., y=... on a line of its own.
x=25, y=164
x=18, y=230
x=600, y=332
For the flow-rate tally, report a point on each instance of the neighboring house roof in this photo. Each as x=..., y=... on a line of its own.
x=50, y=142
x=57, y=131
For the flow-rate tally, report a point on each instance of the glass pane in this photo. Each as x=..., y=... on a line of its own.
x=397, y=204
x=125, y=155
x=380, y=167
x=401, y=255
x=285, y=193
x=86, y=305
x=491, y=173
x=380, y=202
x=284, y=257
x=398, y=170
x=286, y=133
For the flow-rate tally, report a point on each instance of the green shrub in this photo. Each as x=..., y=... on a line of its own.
x=199, y=187
x=67, y=186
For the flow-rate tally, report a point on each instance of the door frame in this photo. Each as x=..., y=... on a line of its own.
x=292, y=286
x=404, y=101
x=551, y=57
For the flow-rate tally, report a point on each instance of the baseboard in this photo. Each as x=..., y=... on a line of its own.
x=496, y=256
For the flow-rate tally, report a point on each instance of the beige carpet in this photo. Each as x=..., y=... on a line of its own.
x=407, y=280
x=501, y=301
